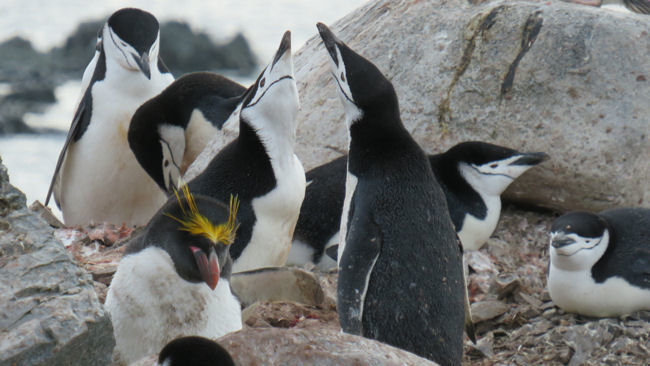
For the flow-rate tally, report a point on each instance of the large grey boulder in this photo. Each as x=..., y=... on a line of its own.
x=566, y=79
x=301, y=347
x=49, y=312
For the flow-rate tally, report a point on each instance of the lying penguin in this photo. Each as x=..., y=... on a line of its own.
x=173, y=280
x=600, y=263
x=472, y=174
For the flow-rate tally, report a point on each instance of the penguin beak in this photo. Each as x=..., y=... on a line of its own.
x=329, y=40
x=143, y=64
x=208, y=266
x=531, y=159
x=285, y=45
x=561, y=241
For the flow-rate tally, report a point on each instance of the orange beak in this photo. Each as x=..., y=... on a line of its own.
x=208, y=266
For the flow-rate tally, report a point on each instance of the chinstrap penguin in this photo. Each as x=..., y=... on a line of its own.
x=194, y=351
x=97, y=178
x=169, y=131
x=600, y=263
x=400, y=275
x=472, y=175
x=261, y=168
x=173, y=280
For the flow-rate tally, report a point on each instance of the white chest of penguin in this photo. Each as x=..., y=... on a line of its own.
x=150, y=304
x=475, y=232
x=101, y=168
x=576, y=291
x=276, y=215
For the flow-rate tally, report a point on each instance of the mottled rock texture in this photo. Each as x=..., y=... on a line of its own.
x=566, y=79
x=49, y=312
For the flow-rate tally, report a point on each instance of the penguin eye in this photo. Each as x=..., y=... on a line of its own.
x=166, y=163
x=342, y=76
x=262, y=82
x=494, y=165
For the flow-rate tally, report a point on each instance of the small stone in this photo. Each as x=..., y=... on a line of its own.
x=486, y=310
x=530, y=300
x=506, y=285
x=549, y=313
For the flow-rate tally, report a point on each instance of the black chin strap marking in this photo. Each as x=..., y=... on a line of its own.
x=267, y=89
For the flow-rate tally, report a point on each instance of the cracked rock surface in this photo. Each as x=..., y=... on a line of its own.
x=562, y=78
x=49, y=312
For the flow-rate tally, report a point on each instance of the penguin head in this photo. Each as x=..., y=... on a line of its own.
x=196, y=232
x=489, y=168
x=194, y=351
x=271, y=103
x=159, y=153
x=131, y=39
x=578, y=240
x=362, y=88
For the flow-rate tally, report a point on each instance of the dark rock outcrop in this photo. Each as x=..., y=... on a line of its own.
x=185, y=51
x=49, y=312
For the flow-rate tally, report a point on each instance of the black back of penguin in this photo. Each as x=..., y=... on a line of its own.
x=241, y=168
x=628, y=251
x=401, y=250
x=320, y=213
x=215, y=96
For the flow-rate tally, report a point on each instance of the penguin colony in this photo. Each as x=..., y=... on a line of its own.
x=391, y=218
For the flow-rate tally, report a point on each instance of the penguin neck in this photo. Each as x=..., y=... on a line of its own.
x=133, y=82
x=374, y=135
x=277, y=141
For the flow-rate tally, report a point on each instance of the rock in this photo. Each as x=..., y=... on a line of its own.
x=46, y=214
x=275, y=284
x=534, y=76
x=293, y=347
x=49, y=312
x=10, y=198
x=289, y=314
x=486, y=310
x=78, y=49
x=505, y=285
x=185, y=51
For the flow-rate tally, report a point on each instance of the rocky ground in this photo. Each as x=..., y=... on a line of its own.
x=516, y=321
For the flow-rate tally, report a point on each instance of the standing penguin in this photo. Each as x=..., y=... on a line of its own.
x=97, y=177
x=472, y=175
x=400, y=275
x=600, y=263
x=169, y=131
x=174, y=278
x=261, y=168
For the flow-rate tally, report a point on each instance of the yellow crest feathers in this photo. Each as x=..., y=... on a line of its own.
x=196, y=224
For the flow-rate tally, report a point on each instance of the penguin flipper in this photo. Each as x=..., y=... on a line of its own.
x=79, y=124
x=640, y=268
x=364, y=241
x=470, y=329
